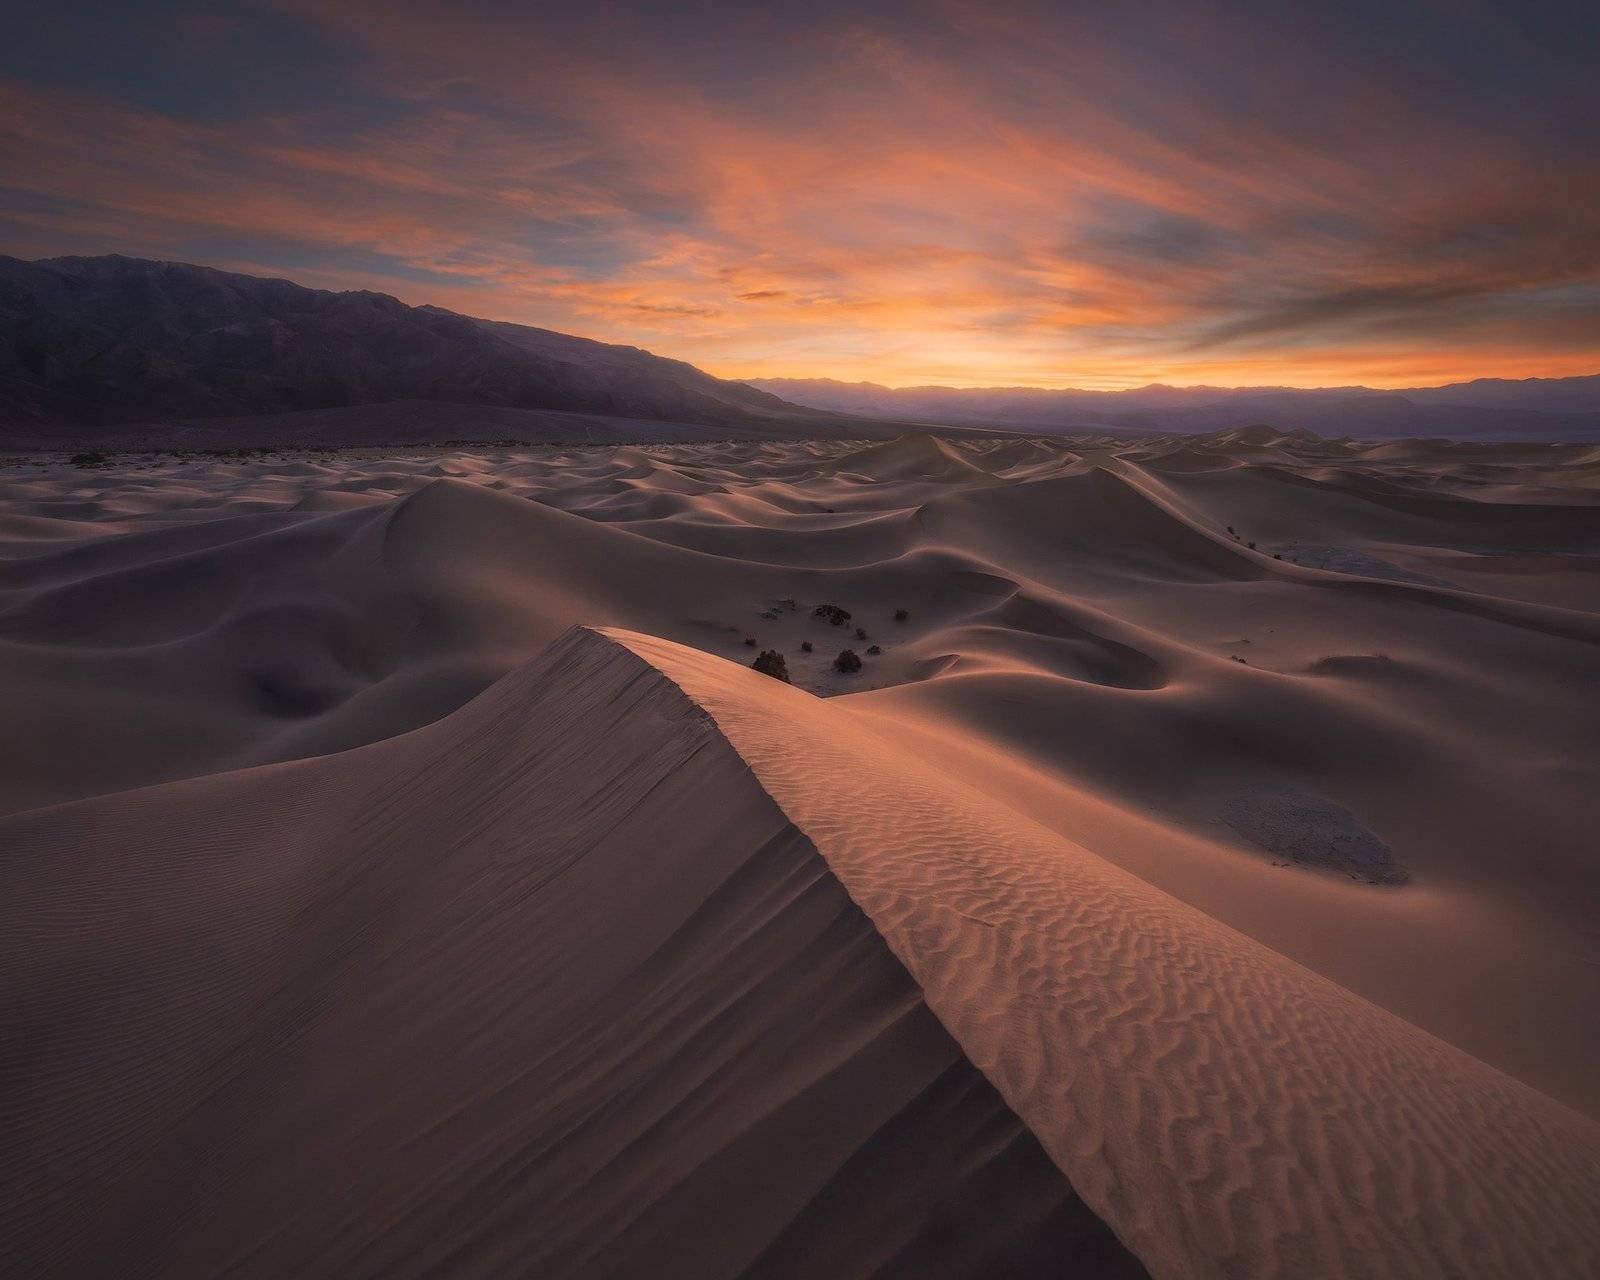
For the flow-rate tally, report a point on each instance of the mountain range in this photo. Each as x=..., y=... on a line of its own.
x=88, y=344
x=123, y=352
x=1487, y=408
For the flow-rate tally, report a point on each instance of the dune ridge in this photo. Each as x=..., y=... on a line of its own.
x=1262, y=765
x=549, y=987
x=1228, y=1113
x=1088, y=627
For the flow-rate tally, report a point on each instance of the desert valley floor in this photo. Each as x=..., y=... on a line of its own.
x=403, y=872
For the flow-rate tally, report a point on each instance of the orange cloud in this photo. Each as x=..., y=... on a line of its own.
x=973, y=198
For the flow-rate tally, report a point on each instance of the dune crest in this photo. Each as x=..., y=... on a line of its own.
x=1226, y=1111
x=549, y=987
x=357, y=912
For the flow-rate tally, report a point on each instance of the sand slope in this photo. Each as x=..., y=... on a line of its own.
x=1088, y=631
x=1227, y=1112
x=1259, y=879
x=549, y=988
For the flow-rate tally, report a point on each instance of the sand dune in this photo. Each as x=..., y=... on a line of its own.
x=1198, y=875
x=1227, y=1113
x=429, y=1007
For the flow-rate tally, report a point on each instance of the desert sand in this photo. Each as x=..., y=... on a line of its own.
x=405, y=873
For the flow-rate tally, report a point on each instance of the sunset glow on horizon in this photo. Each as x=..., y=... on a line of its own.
x=950, y=194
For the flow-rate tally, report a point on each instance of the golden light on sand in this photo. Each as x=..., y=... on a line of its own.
x=409, y=844
x=930, y=639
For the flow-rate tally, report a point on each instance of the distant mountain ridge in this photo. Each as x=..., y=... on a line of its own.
x=115, y=349
x=94, y=342
x=1533, y=408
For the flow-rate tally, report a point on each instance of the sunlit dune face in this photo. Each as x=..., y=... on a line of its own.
x=907, y=194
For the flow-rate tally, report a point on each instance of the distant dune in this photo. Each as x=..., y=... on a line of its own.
x=406, y=873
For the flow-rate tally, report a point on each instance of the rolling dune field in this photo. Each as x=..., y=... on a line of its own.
x=404, y=872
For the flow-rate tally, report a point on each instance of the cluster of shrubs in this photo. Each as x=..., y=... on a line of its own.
x=848, y=661
x=771, y=663
x=1234, y=533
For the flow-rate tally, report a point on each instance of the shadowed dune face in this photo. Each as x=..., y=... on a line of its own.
x=428, y=1007
x=1366, y=742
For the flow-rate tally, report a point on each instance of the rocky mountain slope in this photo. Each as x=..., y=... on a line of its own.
x=97, y=342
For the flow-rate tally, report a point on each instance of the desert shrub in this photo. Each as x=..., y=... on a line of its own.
x=805, y=646
x=771, y=663
x=848, y=662
x=873, y=651
x=750, y=640
x=87, y=459
x=860, y=633
x=831, y=613
x=900, y=615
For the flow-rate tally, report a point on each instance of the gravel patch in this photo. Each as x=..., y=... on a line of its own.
x=1310, y=831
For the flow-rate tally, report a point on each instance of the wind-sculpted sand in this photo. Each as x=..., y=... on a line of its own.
x=1226, y=1112
x=548, y=988
x=1198, y=875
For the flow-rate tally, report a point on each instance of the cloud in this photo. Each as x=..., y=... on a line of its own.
x=931, y=192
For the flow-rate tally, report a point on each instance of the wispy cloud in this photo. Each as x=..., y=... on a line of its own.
x=939, y=192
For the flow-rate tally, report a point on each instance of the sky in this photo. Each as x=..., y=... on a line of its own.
x=943, y=192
